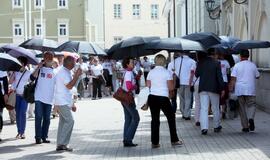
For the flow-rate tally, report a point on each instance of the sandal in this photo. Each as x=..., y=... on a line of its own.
x=177, y=143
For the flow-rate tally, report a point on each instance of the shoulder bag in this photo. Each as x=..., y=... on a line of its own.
x=29, y=90
x=10, y=105
x=123, y=96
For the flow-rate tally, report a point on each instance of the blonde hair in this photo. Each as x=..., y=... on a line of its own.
x=160, y=60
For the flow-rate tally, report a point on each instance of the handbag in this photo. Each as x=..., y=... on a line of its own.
x=176, y=79
x=11, y=102
x=29, y=91
x=123, y=96
x=192, y=89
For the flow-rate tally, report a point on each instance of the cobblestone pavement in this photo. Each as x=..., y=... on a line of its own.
x=98, y=135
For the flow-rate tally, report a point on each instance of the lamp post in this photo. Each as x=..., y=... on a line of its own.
x=210, y=7
x=240, y=1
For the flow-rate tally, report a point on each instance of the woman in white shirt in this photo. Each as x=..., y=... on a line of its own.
x=96, y=71
x=160, y=82
x=132, y=117
x=19, y=80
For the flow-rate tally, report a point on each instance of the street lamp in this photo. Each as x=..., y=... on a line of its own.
x=210, y=7
x=240, y=1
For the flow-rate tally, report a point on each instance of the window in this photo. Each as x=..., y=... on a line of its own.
x=117, y=11
x=39, y=3
x=154, y=11
x=18, y=29
x=136, y=11
x=117, y=39
x=62, y=3
x=17, y=3
x=38, y=30
x=62, y=30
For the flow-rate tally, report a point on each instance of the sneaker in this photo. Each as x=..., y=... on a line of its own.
x=251, y=125
x=38, y=141
x=155, y=145
x=204, y=132
x=22, y=136
x=130, y=145
x=44, y=140
x=18, y=136
x=93, y=98
x=197, y=124
x=218, y=129
x=64, y=148
x=177, y=143
x=245, y=130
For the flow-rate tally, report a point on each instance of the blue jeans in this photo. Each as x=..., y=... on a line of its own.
x=132, y=120
x=20, y=108
x=42, y=119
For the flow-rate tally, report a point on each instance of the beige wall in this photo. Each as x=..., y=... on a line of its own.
x=75, y=15
x=127, y=26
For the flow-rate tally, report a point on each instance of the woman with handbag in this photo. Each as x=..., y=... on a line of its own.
x=160, y=82
x=132, y=117
x=19, y=80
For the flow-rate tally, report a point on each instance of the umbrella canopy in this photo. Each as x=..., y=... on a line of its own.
x=251, y=44
x=16, y=52
x=226, y=45
x=207, y=39
x=40, y=44
x=9, y=63
x=132, y=47
x=82, y=47
x=175, y=44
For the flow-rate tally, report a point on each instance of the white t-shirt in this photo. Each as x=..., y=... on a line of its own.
x=23, y=82
x=159, y=77
x=146, y=66
x=63, y=96
x=188, y=65
x=246, y=73
x=225, y=66
x=108, y=66
x=3, y=74
x=45, y=85
x=128, y=76
x=97, y=69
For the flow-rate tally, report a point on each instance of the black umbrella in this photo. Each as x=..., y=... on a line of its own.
x=132, y=47
x=226, y=45
x=9, y=63
x=207, y=39
x=40, y=44
x=250, y=44
x=175, y=44
x=82, y=47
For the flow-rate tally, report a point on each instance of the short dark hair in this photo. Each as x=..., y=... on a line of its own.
x=23, y=60
x=244, y=53
x=126, y=61
x=68, y=60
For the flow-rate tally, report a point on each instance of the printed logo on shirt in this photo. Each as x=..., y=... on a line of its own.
x=49, y=76
x=42, y=75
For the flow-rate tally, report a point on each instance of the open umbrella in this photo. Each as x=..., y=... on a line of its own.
x=226, y=45
x=40, y=44
x=132, y=47
x=21, y=52
x=9, y=63
x=175, y=44
x=81, y=47
x=207, y=39
x=251, y=44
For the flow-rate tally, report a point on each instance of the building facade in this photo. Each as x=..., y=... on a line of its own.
x=124, y=19
x=60, y=20
x=197, y=17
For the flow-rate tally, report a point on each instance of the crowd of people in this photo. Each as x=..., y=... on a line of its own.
x=209, y=82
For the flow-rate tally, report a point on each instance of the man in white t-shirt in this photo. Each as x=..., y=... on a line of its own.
x=44, y=94
x=146, y=64
x=63, y=99
x=185, y=70
x=243, y=81
x=96, y=72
